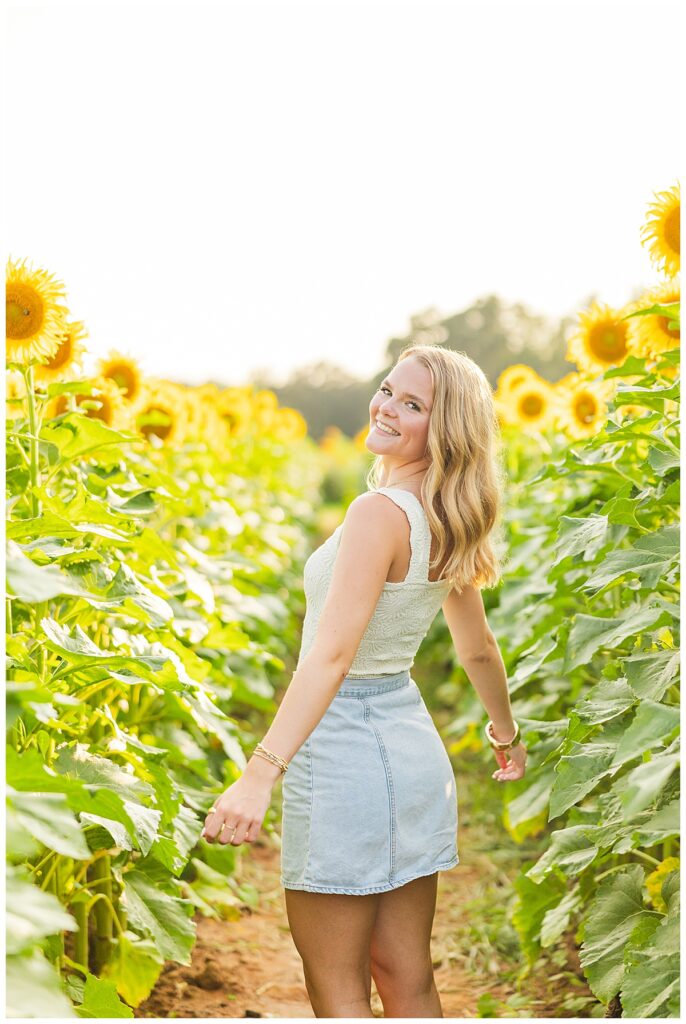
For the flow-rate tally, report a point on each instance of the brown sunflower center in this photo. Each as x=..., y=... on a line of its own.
x=531, y=405
x=123, y=378
x=673, y=229
x=62, y=355
x=585, y=408
x=103, y=412
x=161, y=430
x=24, y=311
x=230, y=418
x=673, y=332
x=608, y=342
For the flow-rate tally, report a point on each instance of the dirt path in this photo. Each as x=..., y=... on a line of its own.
x=251, y=968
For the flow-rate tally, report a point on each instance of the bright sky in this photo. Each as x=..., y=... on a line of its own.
x=228, y=187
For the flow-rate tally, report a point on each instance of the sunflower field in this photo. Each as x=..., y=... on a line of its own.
x=587, y=619
x=155, y=540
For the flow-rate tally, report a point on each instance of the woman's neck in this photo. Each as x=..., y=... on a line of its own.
x=393, y=478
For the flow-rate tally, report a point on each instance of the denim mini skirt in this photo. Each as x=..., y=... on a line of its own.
x=369, y=799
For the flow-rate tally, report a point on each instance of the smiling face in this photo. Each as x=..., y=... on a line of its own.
x=403, y=401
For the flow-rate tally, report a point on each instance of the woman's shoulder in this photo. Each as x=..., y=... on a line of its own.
x=401, y=493
x=371, y=510
x=374, y=503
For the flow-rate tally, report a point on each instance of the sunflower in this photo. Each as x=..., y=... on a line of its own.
x=529, y=405
x=651, y=334
x=601, y=340
x=203, y=420
x=15, y=394
x=581, y=409
x=654, y=880
x=125, y=372
x=331, y=439
x=626, y=412
x=161, y=412
x=101, y=399
x=208, y=392
x=512, y=376
x=62, y=364
x=266, y=400
x=265, y=406
x=568, y=380
x=235, y=408
x=663, y=369
x=290, y=425
x=36, y=320
x=661, y=233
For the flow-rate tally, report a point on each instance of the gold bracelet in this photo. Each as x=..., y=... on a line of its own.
x=261, y=753
x=269, y=755
x=498, y=744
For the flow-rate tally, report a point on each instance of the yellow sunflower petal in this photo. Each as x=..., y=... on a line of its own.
x=661, y=233
x=568, y=380
x=331, y=439
x=203, y=421
x=360, y=437
x=655, y=879
x=266, y=400
x=625, y=412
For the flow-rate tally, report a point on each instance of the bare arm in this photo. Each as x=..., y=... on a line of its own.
x=479, y=655
x=365, y=552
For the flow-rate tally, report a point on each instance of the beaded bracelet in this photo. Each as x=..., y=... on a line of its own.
x=269, y=755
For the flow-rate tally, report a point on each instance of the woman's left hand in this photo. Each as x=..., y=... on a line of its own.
x=244, y=804
x=510, y=768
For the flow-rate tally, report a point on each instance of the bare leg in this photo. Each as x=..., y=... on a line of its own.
x=332, y=934
x=401, y=950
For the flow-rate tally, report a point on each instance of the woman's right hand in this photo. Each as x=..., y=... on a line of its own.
x=512, y=763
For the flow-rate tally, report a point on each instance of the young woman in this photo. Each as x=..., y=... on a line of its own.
x=369, y=797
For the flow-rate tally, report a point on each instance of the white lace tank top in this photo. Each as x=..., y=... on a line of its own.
x=405, y=609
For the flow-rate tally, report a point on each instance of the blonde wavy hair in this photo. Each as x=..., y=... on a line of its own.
x=463, y=485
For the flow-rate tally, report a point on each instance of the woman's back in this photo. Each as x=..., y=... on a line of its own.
x=405, y=610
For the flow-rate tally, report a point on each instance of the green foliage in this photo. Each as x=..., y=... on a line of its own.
x=153, y=600
x=588, y=621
